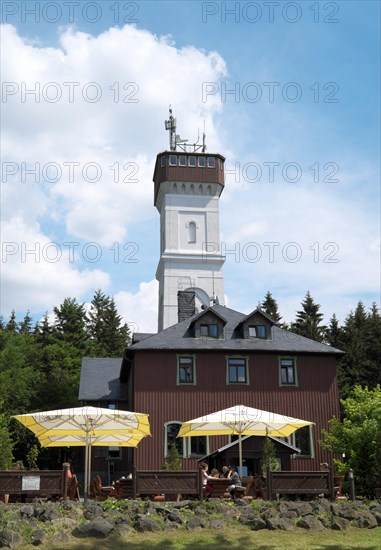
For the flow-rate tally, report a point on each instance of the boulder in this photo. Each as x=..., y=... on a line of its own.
x=97, y=528
x=10, y=539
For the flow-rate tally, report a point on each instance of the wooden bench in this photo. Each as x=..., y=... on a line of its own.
x=300, y=483
x=169, y=483
x=29, y=484
x=219, y=487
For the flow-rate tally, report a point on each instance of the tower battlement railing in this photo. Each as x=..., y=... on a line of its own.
x=178, y=144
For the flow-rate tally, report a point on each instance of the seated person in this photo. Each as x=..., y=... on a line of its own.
x=215, y=473
x=236, y=488
x=205, y=480
x=225, y=472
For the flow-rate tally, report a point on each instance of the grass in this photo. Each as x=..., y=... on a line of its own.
x=235, y=538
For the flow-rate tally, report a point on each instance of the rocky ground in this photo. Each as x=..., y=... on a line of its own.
x=41, y=523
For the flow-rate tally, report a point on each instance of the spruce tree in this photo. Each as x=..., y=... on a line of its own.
x=70, y=323
x=11, y=326
x=270, y=307
x=26, y=324
x=109, y=336
x=308, y=320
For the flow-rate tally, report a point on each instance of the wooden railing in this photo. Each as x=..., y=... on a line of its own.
x=300, y=483
x=164, y=482
x=34, y=483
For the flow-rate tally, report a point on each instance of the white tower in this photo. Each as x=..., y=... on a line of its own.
x=188, y=184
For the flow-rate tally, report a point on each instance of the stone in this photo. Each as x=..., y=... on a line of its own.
x=144, y=524
x=175, y=516
x=97, y=528
x=10, y=539
x=217, y=523
x=93, y=511
x=301, y=508
x=171, y=525
x=38, y=537
x=183, y=504
x=310, y=522
x=27, y=511
x=283, y=524
x=195, y=523
x=365, y=521
x=340, y=524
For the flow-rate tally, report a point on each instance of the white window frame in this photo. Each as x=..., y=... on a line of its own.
x=166, y=424
x=311, y=443
x=189, y=162
x=170, y=160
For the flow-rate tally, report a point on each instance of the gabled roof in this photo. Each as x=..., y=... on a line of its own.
x=100, y=380
x=258, y=311
x=179, y=336
x=211, y=309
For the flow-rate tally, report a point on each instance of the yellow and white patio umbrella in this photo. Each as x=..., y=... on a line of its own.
x=87, y=426
x=241, y=420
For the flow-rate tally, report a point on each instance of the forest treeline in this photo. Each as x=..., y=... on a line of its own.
x=40, y=365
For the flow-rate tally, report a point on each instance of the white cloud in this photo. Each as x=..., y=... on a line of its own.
x=38, y=273
x=134, y=73
x=139, y=310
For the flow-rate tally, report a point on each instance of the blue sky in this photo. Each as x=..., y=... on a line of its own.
x=305, y=104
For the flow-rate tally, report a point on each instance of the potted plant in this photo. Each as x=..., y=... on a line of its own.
x=340, y=470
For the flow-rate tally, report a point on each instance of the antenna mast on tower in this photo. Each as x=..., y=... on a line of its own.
x=175, y=140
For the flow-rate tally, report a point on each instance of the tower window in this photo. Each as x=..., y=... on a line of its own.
x=163, y=161
x=192, y=161
x=192, y=232
x=211, y=162
x=182, y=160
x=172, y=160
x=202, y=162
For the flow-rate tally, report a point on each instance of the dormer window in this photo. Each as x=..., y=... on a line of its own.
x=257, y=331
x=209, y=331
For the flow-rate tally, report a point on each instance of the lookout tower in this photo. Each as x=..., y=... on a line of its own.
x=188, y=184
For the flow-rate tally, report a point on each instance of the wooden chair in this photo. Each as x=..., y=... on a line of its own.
x=72, y=490
x=97, y=491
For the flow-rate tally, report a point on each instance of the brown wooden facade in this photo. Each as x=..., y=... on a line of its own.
x=156, y=392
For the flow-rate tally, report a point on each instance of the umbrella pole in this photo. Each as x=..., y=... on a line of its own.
x=240, y=454
x=86, y=471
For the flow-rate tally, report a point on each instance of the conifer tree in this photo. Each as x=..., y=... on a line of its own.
x=308, y=320
x=11, y=326
x=109, y=336
x=26, y=324
x=70, y=323
x=43, y=330
x=270, y=307
x=361, y=341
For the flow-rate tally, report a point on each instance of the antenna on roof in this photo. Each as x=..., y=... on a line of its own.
x=175, y=140
x=171, y=126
